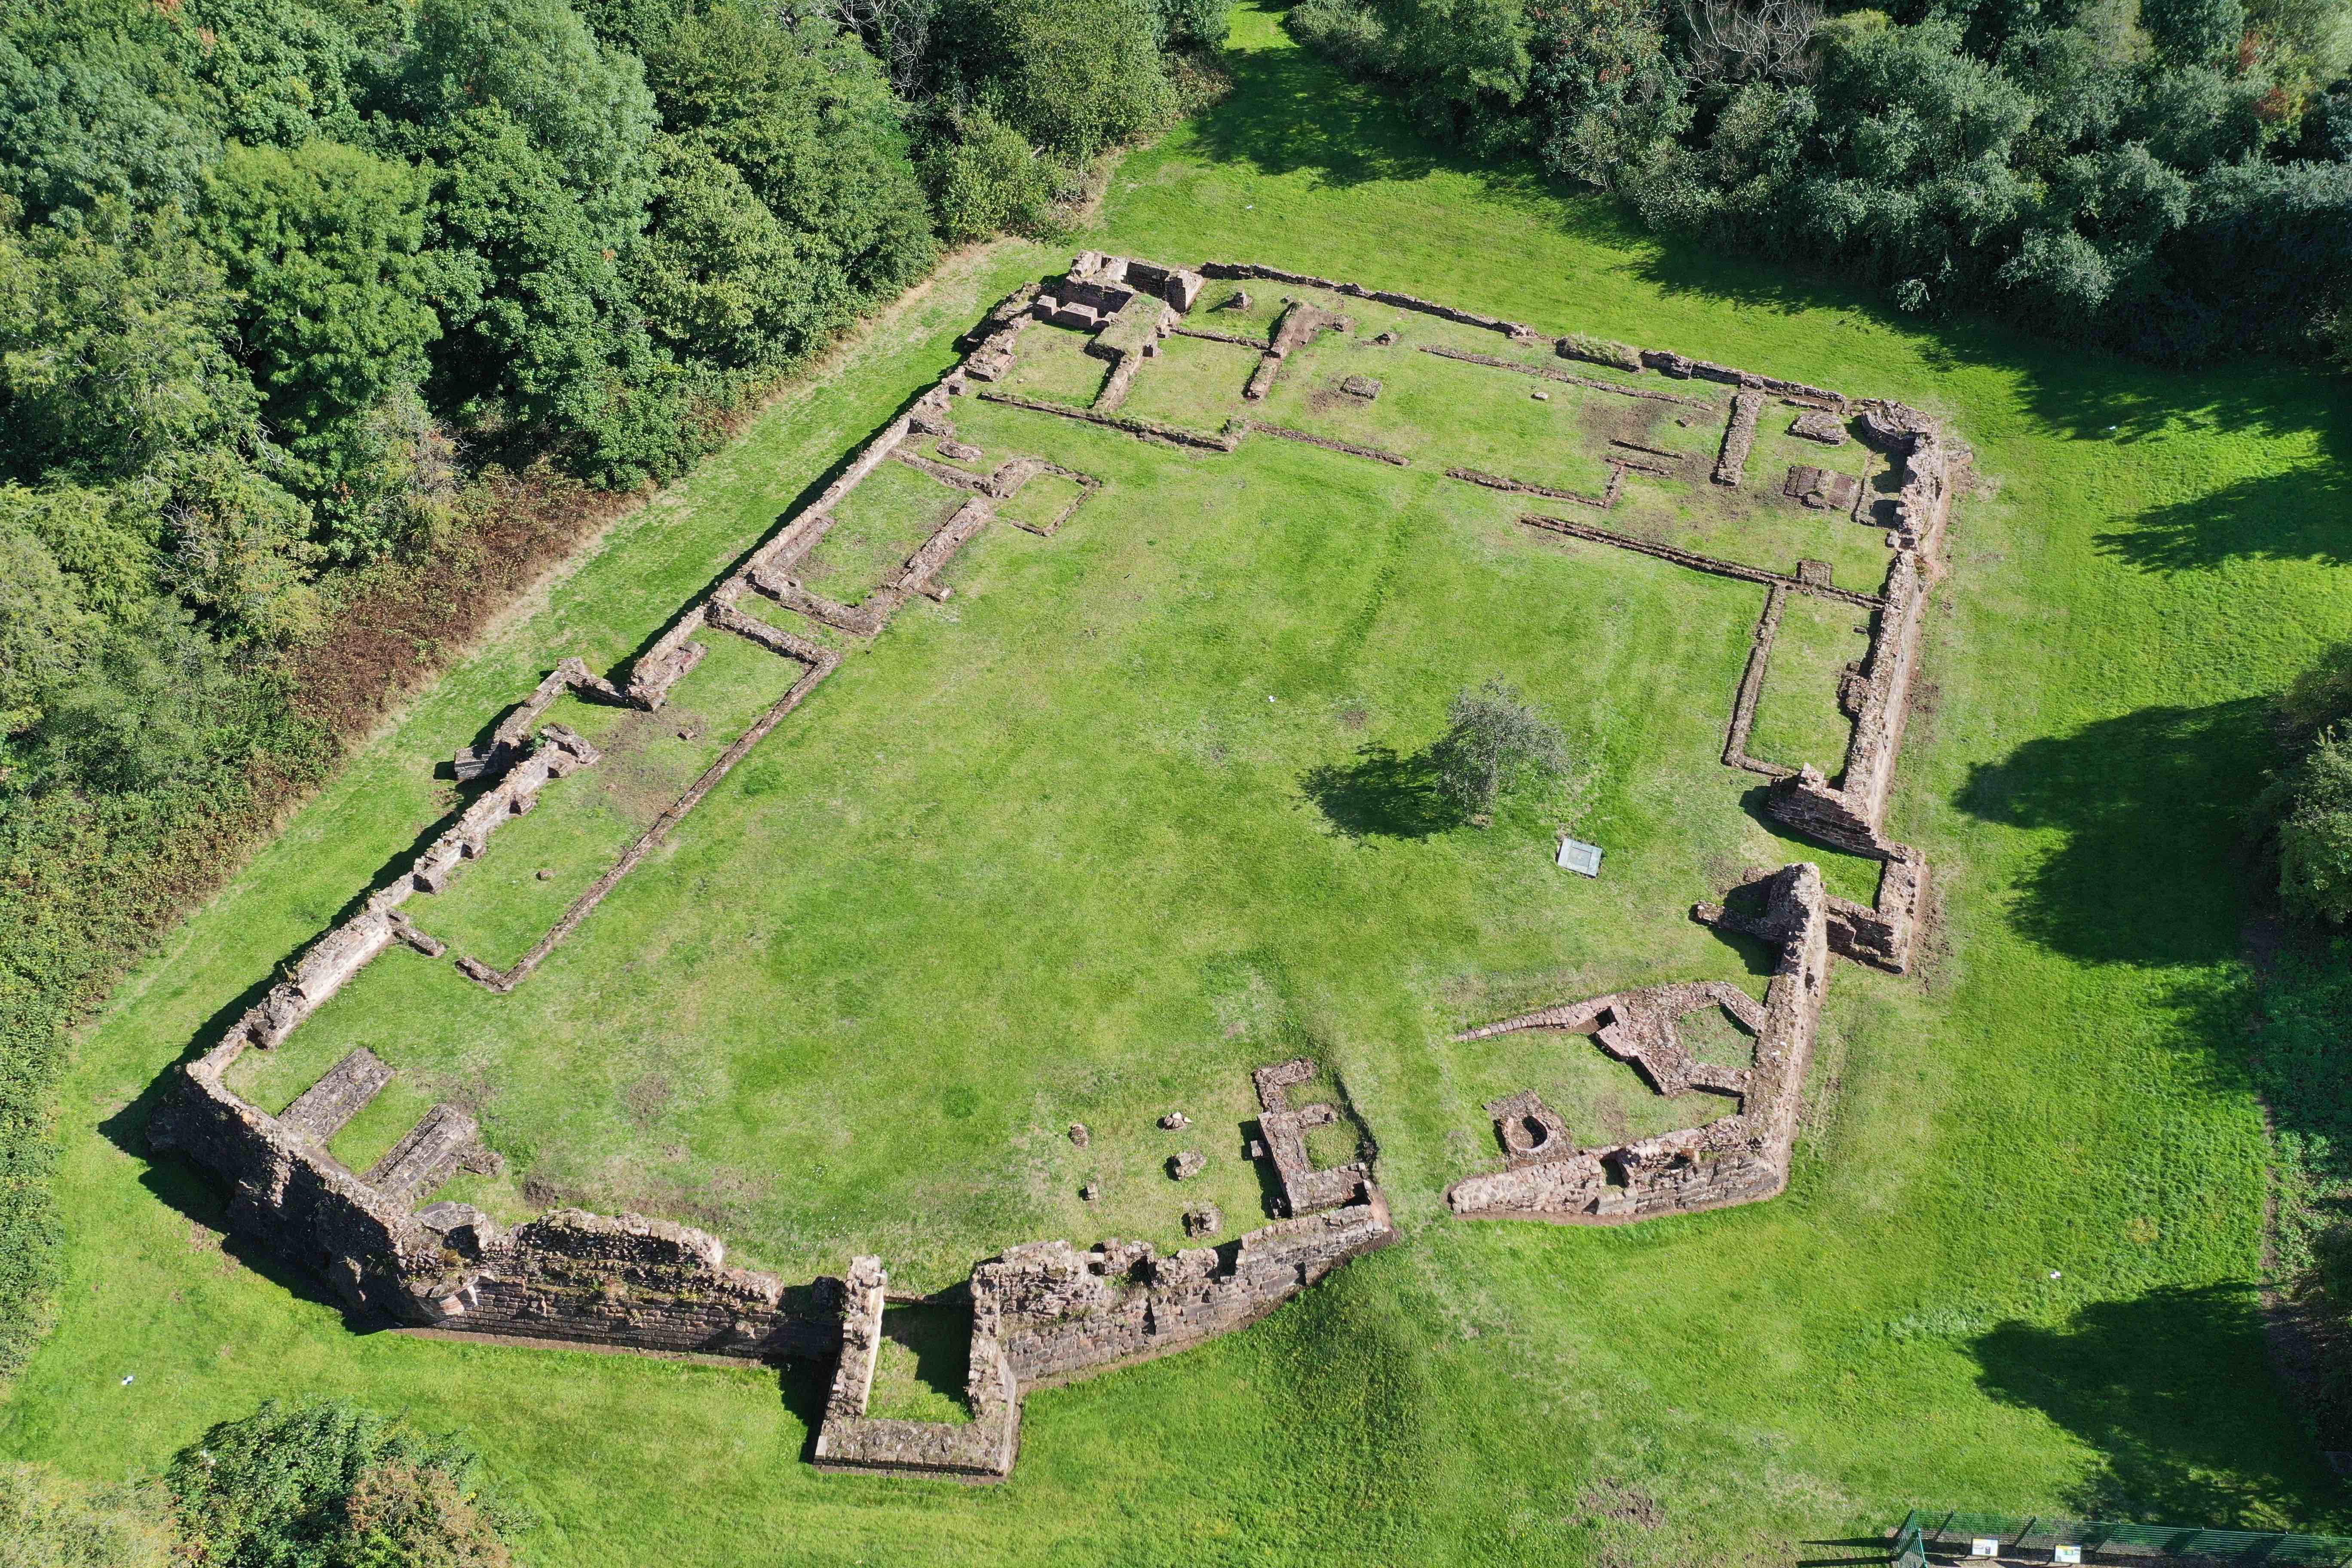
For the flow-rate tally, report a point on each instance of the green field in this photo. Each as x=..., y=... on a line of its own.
x=1047, y=853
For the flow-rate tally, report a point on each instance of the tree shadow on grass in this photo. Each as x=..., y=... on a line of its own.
x=2302, y=514
x=2145, y=806
x=1380, y=794
x=1289, y=110
x=2167, y=1388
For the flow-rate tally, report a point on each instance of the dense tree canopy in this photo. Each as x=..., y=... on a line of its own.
x=2172, y=180
x=273, y=271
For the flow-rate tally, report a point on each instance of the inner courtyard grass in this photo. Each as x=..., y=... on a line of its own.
x=887, y=1041
x=1219, y=682
x=1798, y=720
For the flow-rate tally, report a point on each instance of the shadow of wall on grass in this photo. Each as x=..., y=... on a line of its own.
x=2158, y=1386
x=196, y=1196
x=1288, y=109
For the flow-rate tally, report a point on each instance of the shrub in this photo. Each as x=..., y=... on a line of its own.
x=1193, y=24
x=2314, y=833
x=990, y=180
x=49, y=1522
x=2307, y=808
x=331, y=1485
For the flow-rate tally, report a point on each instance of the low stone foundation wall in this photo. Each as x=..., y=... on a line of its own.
x=1042, y=1313
x=1739, y=1158
x=1738, y=438
x=1740, y=570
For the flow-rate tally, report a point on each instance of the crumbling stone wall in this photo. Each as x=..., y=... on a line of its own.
x=1739, y=1159
x=629, y=1281
x=330, y=962
x=1283, y=1128
x=1151, y=429
x=1041, y=1313
x=1695, y=562
x=1602, y=502
x=981, y=1449
x=1300, y=324
x=1751, y=686
x=1850, y=814
x=1686, y=369
x=1061, y=1314
x=1740, y=436
x=1546, y=373
x=286, y=1188
x=1514, y=330
x=1284, y=433
x=643, y=1284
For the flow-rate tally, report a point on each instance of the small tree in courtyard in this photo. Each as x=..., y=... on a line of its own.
x=1494, y=742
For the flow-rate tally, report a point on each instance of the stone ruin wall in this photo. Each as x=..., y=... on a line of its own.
x=1929, y=465
x=1737, y=1159
x=1061, y=1314
x=1043, y=1312
x=1046, y=1313
x=982, y=1448
x=1851, y=816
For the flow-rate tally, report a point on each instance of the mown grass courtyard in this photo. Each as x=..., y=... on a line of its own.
x=1047, y=853
x=1077, y=845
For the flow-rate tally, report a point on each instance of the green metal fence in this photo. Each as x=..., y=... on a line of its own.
x=2039, y=1538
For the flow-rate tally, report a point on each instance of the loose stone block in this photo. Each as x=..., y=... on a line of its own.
x=1818, y=424
x=1186, y=1163
x=1175, y=1121
x=1206, y=1220
x=1822, y=489
x=1079, y=1135
x=1362, y=386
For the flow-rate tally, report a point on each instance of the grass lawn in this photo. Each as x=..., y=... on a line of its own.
x=1045, y=852
x=1139, y=809
x=1798, y=720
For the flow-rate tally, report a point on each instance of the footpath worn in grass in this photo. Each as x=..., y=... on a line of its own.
x=2067, y=1088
